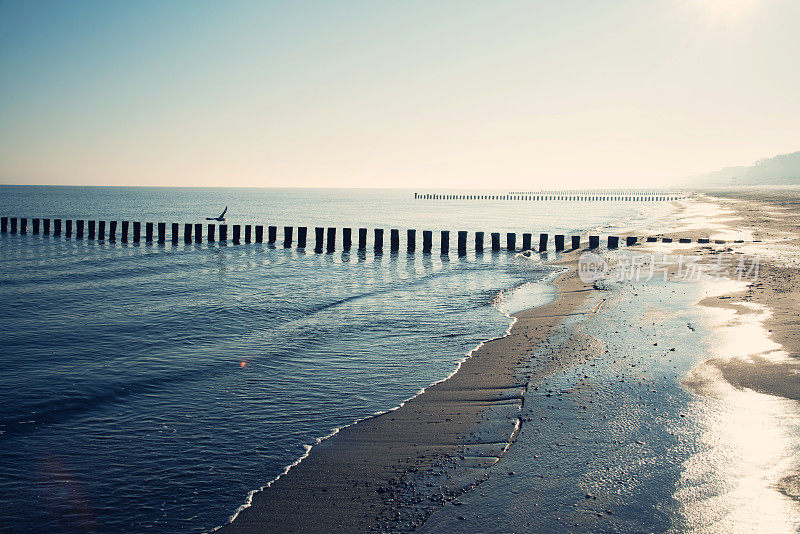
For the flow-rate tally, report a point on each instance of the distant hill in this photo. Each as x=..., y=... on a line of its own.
x=778, y=170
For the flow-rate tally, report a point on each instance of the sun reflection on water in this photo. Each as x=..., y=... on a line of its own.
x=748, y=441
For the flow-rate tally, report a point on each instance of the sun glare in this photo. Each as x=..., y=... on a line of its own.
x=726, y=10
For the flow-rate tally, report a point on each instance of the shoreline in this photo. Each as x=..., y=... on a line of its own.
x=770, y=304
x=620, y=441
x=308, y=448
x=391, y=472
x=776, y=291
x=372, y=461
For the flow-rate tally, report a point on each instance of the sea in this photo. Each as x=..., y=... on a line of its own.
x=150, y=388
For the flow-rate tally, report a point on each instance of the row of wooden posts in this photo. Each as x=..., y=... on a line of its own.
x=545, y=197
x=590, y=192
x=325, y=238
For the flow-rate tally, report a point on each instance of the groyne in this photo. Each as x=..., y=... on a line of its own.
x=600, y=195
x=325, y=238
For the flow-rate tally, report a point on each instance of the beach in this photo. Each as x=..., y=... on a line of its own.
x=279, y=389
x=593, y=412
x=435, y=267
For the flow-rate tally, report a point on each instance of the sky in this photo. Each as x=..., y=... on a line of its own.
x=459, y=94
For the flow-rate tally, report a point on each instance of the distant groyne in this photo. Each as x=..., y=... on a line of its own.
x=325, y=239
x=600, y=195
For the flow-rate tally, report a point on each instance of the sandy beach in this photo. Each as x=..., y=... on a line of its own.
x=457, y=451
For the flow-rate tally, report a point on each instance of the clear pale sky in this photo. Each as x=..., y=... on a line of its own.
x=409, y=93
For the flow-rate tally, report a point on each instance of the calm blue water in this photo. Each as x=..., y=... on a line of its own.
x=150, y=387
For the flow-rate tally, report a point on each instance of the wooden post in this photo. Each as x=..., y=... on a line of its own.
x=56, y=227
x=13, y=225
x=526, y=241
x=594, y=241
x=427, y=241
x=302, y=231
x=703, y=240
x=148, y=232
x=630, y=241
x=101, y=230
x=347, y=239
x=92, y=229
x=394, y=240
x=237, y=234
x=362, y=239
x=684, y=240
x=652, y=239
x=445, y=242
x=559, y=239
x=495, y=241
x=259, y=233
x=613, y=241
x=287, y=236
x=542, y=242
x=79, y=229
x=212, y=229
x=479, y=242
x=320, y=239
x=462, y=243
x=378, y=240
x=331, y=239
x=123, y=233
x=198, y=233
x=411, y=240
x=223, y=232
x=68, y=227
x=576, y=242
x=137, y=231
x=4, y=224
x=36, y=226
x=248, y=233
x=511, y=241
x=666, y=240
x=23, y=225
x=272, y=232
x=162, y=233
x=175, y=233
x=187, y=233
x=112, y=231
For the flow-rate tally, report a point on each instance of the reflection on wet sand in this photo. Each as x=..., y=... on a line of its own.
x=748, y=444
x=651, y=412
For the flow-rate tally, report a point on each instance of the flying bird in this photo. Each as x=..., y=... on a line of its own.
x=221, y=218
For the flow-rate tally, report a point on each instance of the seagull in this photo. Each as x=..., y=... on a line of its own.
x=221, y=218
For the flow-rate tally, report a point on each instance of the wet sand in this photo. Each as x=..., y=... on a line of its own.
x=773, y=218
x=371, y=475
x=630, y=447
